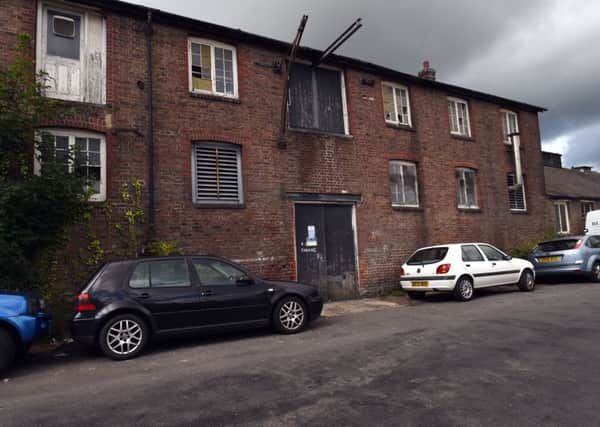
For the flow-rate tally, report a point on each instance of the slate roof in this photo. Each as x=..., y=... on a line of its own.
x=160, y=16
x=572, y=184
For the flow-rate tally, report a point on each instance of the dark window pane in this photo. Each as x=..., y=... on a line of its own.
x=470, y=253
x=170, y=273
x=428, y=256
x=58, y=44
x=491, y=253
x=140, y=277
x=558, y=245
x=215, y=273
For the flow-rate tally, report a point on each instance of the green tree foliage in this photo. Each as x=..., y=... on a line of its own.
x=35, y=209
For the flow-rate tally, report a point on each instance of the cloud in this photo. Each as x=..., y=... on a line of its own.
x=543, y=52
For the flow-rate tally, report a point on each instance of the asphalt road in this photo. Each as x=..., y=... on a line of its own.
x=505, y=358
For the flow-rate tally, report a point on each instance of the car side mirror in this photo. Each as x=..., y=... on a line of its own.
x=244, y=281
x=507, y=258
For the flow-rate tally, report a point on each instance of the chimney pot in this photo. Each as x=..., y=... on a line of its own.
x=427, y=72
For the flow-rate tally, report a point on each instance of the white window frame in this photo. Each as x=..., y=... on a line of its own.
x=558, y=205
x=411, y=164
x=213, y=44
x=524, y=195
x=240, y=175
x=462, y=171
x=344, y=101
x=72, y=134
x=586, y=202
x=457, y=101
x=395, y=86
x=506, y=122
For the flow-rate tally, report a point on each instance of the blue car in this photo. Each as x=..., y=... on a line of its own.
x=22, y=321
x=573, y=255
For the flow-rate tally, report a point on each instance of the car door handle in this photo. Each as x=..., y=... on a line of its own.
x=205, y=293
x=143, y=296
x=493, y=264
x=467, y=265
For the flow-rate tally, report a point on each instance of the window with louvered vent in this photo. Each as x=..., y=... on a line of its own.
x=516, y=195
x=217, y=174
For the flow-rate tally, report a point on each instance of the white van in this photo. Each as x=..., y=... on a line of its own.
x=592, y=222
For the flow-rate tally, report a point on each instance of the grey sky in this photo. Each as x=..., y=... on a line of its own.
x=543, y=52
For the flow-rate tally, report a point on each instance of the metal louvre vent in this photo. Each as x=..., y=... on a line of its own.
x=516, y=194
x=217, y=174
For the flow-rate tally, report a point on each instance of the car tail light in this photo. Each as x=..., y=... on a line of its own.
x=443, y=269
x=402, y=272
x=578, y=244
x=84, y=304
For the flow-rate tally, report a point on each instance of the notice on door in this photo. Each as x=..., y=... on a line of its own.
x=311, y=237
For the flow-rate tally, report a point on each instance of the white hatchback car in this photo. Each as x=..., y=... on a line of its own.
x=461, y=268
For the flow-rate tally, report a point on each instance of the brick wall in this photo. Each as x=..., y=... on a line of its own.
x=261, y=234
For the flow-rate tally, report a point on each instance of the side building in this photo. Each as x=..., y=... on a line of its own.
x=572, y=193
x=372, y=163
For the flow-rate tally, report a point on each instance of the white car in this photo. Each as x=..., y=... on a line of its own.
x=461, y=268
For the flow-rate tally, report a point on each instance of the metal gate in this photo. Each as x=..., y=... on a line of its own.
x=325, y=249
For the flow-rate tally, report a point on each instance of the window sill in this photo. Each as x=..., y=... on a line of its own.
x=218, y=206
x=321, y=133
x=469, y=210
x=519, y=212
x=400, y=127
x=214, y=97
x=407, y=208
x=463, y=137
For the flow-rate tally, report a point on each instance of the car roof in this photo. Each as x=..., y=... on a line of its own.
x=558, y=239
x=158, y=258
x=455, y=245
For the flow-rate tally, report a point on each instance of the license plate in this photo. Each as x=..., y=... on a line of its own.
x=419, y=284
x=549, y=259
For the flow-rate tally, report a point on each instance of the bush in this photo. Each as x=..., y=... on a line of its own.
x=524, y=248
x=161, y=248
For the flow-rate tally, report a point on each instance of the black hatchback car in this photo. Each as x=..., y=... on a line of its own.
x=128, y=302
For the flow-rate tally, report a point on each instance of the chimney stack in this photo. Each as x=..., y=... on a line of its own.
x=427, y=72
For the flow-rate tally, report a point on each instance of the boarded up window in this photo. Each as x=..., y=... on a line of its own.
x=217, y=173
x=72, y=53
x=403, y=183
x=212, y=68
x=316, y=99
x=516, y=194
x=466, y=186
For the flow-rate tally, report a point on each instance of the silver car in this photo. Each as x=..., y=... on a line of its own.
x=573, y=255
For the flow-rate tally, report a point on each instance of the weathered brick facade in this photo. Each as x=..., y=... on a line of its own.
x=261, y=233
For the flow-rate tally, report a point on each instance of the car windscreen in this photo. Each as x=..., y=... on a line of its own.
x=428, y=256
x=558, y=245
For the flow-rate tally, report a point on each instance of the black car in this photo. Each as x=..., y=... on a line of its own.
x=127, y=302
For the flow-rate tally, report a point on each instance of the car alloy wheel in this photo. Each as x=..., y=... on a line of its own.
x=526, y=282
x=290, y=315
x=464, y=289
x=123, y=337
x=596, y=272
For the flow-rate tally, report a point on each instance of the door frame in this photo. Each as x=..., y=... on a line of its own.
x=354, y=222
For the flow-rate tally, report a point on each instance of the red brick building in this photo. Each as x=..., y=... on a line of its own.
x=373, y=164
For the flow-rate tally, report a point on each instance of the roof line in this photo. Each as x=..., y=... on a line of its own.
x=168, y=17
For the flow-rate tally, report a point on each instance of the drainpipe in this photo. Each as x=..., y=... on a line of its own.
x=149, y=100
